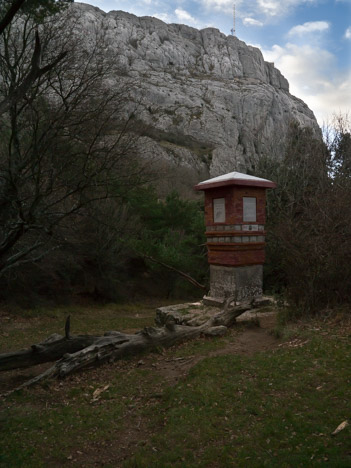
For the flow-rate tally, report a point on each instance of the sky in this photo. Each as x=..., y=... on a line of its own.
x=309, y=41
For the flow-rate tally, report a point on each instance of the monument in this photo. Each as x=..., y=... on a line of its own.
x=235, y=215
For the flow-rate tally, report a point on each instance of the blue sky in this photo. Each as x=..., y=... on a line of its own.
x=308, y=40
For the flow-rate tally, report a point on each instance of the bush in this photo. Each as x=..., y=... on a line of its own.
x=309, y=220
x=171, y=232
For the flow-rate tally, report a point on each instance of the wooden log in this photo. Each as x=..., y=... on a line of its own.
x=51, y=349
x=229, y=314
x=114, y=345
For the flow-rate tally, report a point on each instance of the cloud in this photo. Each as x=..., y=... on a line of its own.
x=309, y=27
x=184, y=16
x=179, y=15
x=313, y=77
x=163, y=17
x=266, y=8
x=252, y=22
x=279, y=7
x=223, y=6
x=348, y=33
x=270, y=7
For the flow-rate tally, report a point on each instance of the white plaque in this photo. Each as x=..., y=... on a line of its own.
x=219, y=210
x=249, y=205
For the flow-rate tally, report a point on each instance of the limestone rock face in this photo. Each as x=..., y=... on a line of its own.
x=211, y=102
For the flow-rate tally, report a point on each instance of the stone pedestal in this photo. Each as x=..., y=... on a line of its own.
x=245, y=283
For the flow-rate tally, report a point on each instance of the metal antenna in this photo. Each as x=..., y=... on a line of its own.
x=233, y=29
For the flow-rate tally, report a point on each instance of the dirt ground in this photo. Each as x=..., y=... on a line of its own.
x=247, y=342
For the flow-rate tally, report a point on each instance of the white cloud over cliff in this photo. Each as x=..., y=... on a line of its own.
x=314, y=77
x=309, y=27
x=252, y=22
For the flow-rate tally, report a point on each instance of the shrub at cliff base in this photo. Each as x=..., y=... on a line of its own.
x=309, y=218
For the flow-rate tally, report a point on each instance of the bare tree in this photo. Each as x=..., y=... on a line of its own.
x=8, y=11
x=337, y=135
x=66, y=138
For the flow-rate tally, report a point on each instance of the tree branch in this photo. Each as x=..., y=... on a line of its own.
x=11, y=12
x=34, y=73
x=181, y=273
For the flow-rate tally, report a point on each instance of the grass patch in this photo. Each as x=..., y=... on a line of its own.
x=276, y=408
x=25, y=327
x=64, y=419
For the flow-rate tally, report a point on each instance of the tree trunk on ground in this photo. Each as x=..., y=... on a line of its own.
x=51, y=349
x=78, y=352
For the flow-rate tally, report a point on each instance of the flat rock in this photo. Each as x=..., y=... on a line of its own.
x=190, y=313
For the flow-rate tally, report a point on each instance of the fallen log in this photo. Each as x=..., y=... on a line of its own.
x=94, y=350
x=51, y=349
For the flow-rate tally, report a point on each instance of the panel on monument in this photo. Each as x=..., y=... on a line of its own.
x=249, y=209
x=219, y=210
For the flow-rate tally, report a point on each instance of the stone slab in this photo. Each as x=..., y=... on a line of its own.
x=245, y=283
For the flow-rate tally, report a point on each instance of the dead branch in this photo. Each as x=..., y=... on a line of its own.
x=179, y=272
x=77, y=352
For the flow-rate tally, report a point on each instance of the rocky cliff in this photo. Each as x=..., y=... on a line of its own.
x=211, y=102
